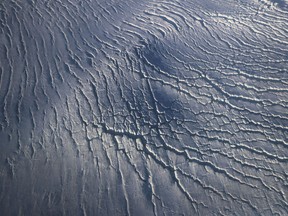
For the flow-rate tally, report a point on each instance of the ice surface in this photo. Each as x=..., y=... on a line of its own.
x=143, y=107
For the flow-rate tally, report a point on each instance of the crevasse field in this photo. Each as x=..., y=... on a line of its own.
x=139, y=108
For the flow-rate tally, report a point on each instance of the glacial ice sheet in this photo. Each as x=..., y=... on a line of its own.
x=143, y=107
